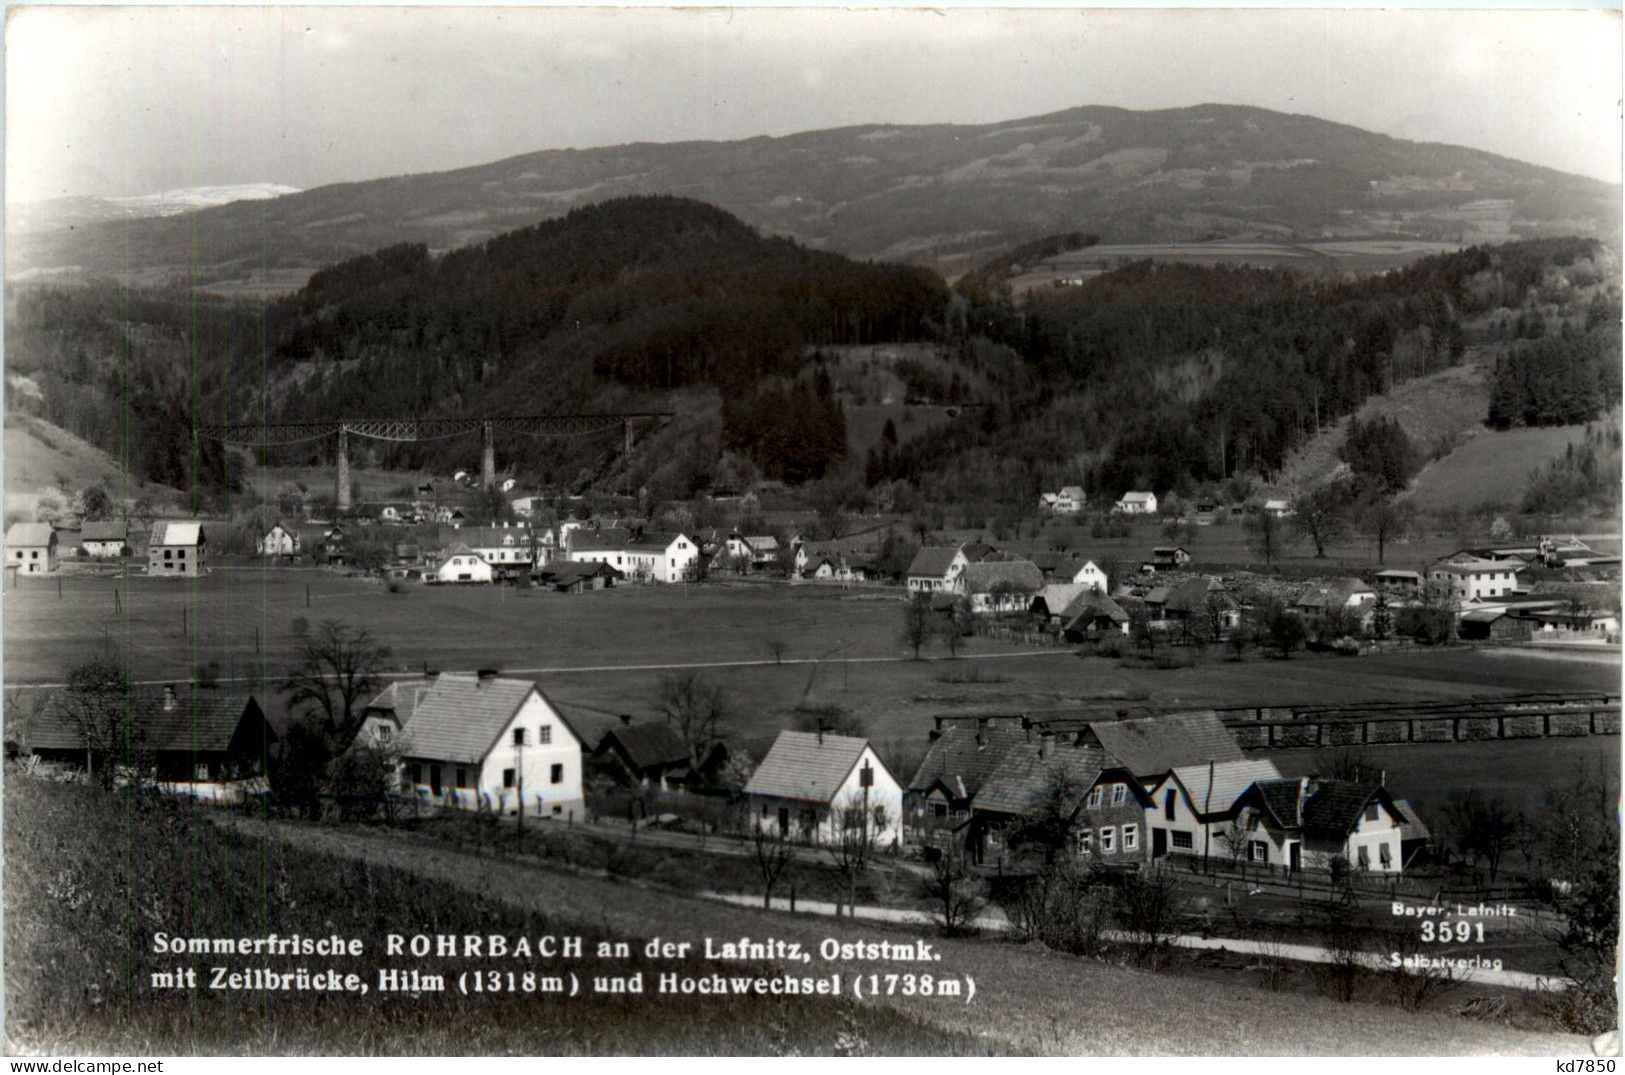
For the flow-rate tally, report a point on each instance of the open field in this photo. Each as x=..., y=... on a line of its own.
x=1326, y=257
x=1491, y=469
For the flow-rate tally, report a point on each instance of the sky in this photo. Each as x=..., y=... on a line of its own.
x=125, y=101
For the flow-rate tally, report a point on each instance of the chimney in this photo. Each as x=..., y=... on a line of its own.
x=169, y=697
x=431, y=674
x=981, y=731
x=486, y=675
x=933, y=735
x=1046, y=743
x=626, y=719
x=1305, y=785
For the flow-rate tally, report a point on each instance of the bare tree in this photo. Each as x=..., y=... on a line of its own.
x=955, y=891
x=1411, y=977
x=697, y=709
x=852, y=843
x=917, y=627
x=1483, y=829
x=97, y=706
x=1321, y=514
x=1384, y=517
x=957, y=626
x=1265, y=534
x=1148, y=904
x=776, y=648
x=773, y=855
x=340, y=669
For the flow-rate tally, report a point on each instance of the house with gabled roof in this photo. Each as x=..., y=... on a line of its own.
x=1310, y=822
x=188, y=735
x=105, y=539
x=644, y=556
x=1092, y=615
x=1048, y=604
x=1151, y=747
x=1193, y=805
x=996, y=586
x=1136, y=502
x=962, y=754
x=461, y=564
x=31, y=548
x=815, y=786
x=176, y=549
x=652, y=754
x=487, y=741
x=280, y=541
x=935, y=568
x=757, y=551
x=569, y=576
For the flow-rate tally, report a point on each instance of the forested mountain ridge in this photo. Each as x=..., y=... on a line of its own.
x=945, y=195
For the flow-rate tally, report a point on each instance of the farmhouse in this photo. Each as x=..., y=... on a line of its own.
x=1071, y=783
x=1201, y=600
x=936, y=568
x=322, y=544
x=567, y=576
x=1091, y=615
x=1152, y=747
x=647, y=557
x=756, y=551
x=1000, y=585
x=485, y=740
x=1339, y=595
x=503, y=547
x=1048, y=604
x=1497, y=624
x=1166, y=556
x=1475, y=579
x=1136, y=502
x=105, y=540
x=1309, y=822
x=31, y=548
x=1069, y=567
x=461, y=564
x=1279, y=509
x=176, y=548
x=387, y=715
x=817, y=787
x=1192, y=806
x=963, y=753
x=1069, y=501
x=186, y=735
x=1399, y=581
x=279, y=541
x=652, y=754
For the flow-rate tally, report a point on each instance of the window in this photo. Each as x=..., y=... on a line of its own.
x=1182, y=841
x=166, y=554
x=1118, y=791
x=414, y=773
x=519, y=737
x=1363, y=856
x=1131, y=837
x=384, y=732
x=939, y=809
x=507, y=778
x=544, y=734
x=1385, y=854
x=1108, y=840
x=1086, y=843
x=1097, y=795
x=1373, y=812
x=557, y=773
x=1169, y=798
x=1258, y=851
x=462, y=777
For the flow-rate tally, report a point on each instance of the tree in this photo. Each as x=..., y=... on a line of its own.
x=1148, y=904
x=340, y=669
x=856, y=831
x=777, y=647
x=94, y=503
x=1281, y=627
x=1380, y=454
x=1047, y=824
x=1482, y=828
x=1321, y=515
x=290, y=501
x=1384, y=517
x=96, y=705
x=954, y=891
x=1265, y=534
x=917, y=627
x=697, y=710
x=957, y=625
x=772, y=854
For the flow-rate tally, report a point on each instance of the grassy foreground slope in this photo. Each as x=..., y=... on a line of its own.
x=90, y=879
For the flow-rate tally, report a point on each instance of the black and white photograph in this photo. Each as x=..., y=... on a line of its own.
x=811, y=532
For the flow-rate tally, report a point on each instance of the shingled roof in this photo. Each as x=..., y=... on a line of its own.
x=194, y=720
x=1330, y=807
x=460, y=716
x=651, y=744
x=806, y=766
x=113, y=530
x=614, y=537
x=1230, y=779
x=400, y=698
x=1017, y=576
x=1023, y=777
x=1092, y=605
x=21, y=535
x=1151, y=746
x=963, y=756
x=1058, y=595
x=932, y=561
x=177, y=533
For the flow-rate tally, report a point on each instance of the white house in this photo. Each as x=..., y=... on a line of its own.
x=461, y=564
x=31, y=548
x=499, y=546
x=280, y=540
x=105, y=540
x=936, y=568
x=1136, y=502
x=1192, y=806
x=1280, y=509
x=1000, y=585
x=649, y=557
x=1069, y=501
x=1087, y=573
x=1474, y=580
x=176, y=548
x=816, y=786
x=1308, y=822
x=486, y=740
x=757, y=550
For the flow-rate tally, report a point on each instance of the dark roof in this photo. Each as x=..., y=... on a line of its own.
x=1332, y=807
x=612, y=537
x=1092, y=605
x=104, y=531
x=649, y=745
x=1411, y=825
x=1023, y=777
x=1189, y=596
x=568, y=571
x=1151, y=746
x=199, y=720
x=654, y=540
x=932, y=561
x=960, y=762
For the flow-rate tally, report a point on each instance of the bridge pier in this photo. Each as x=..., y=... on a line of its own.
x=341, y=495
x=488, y=457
